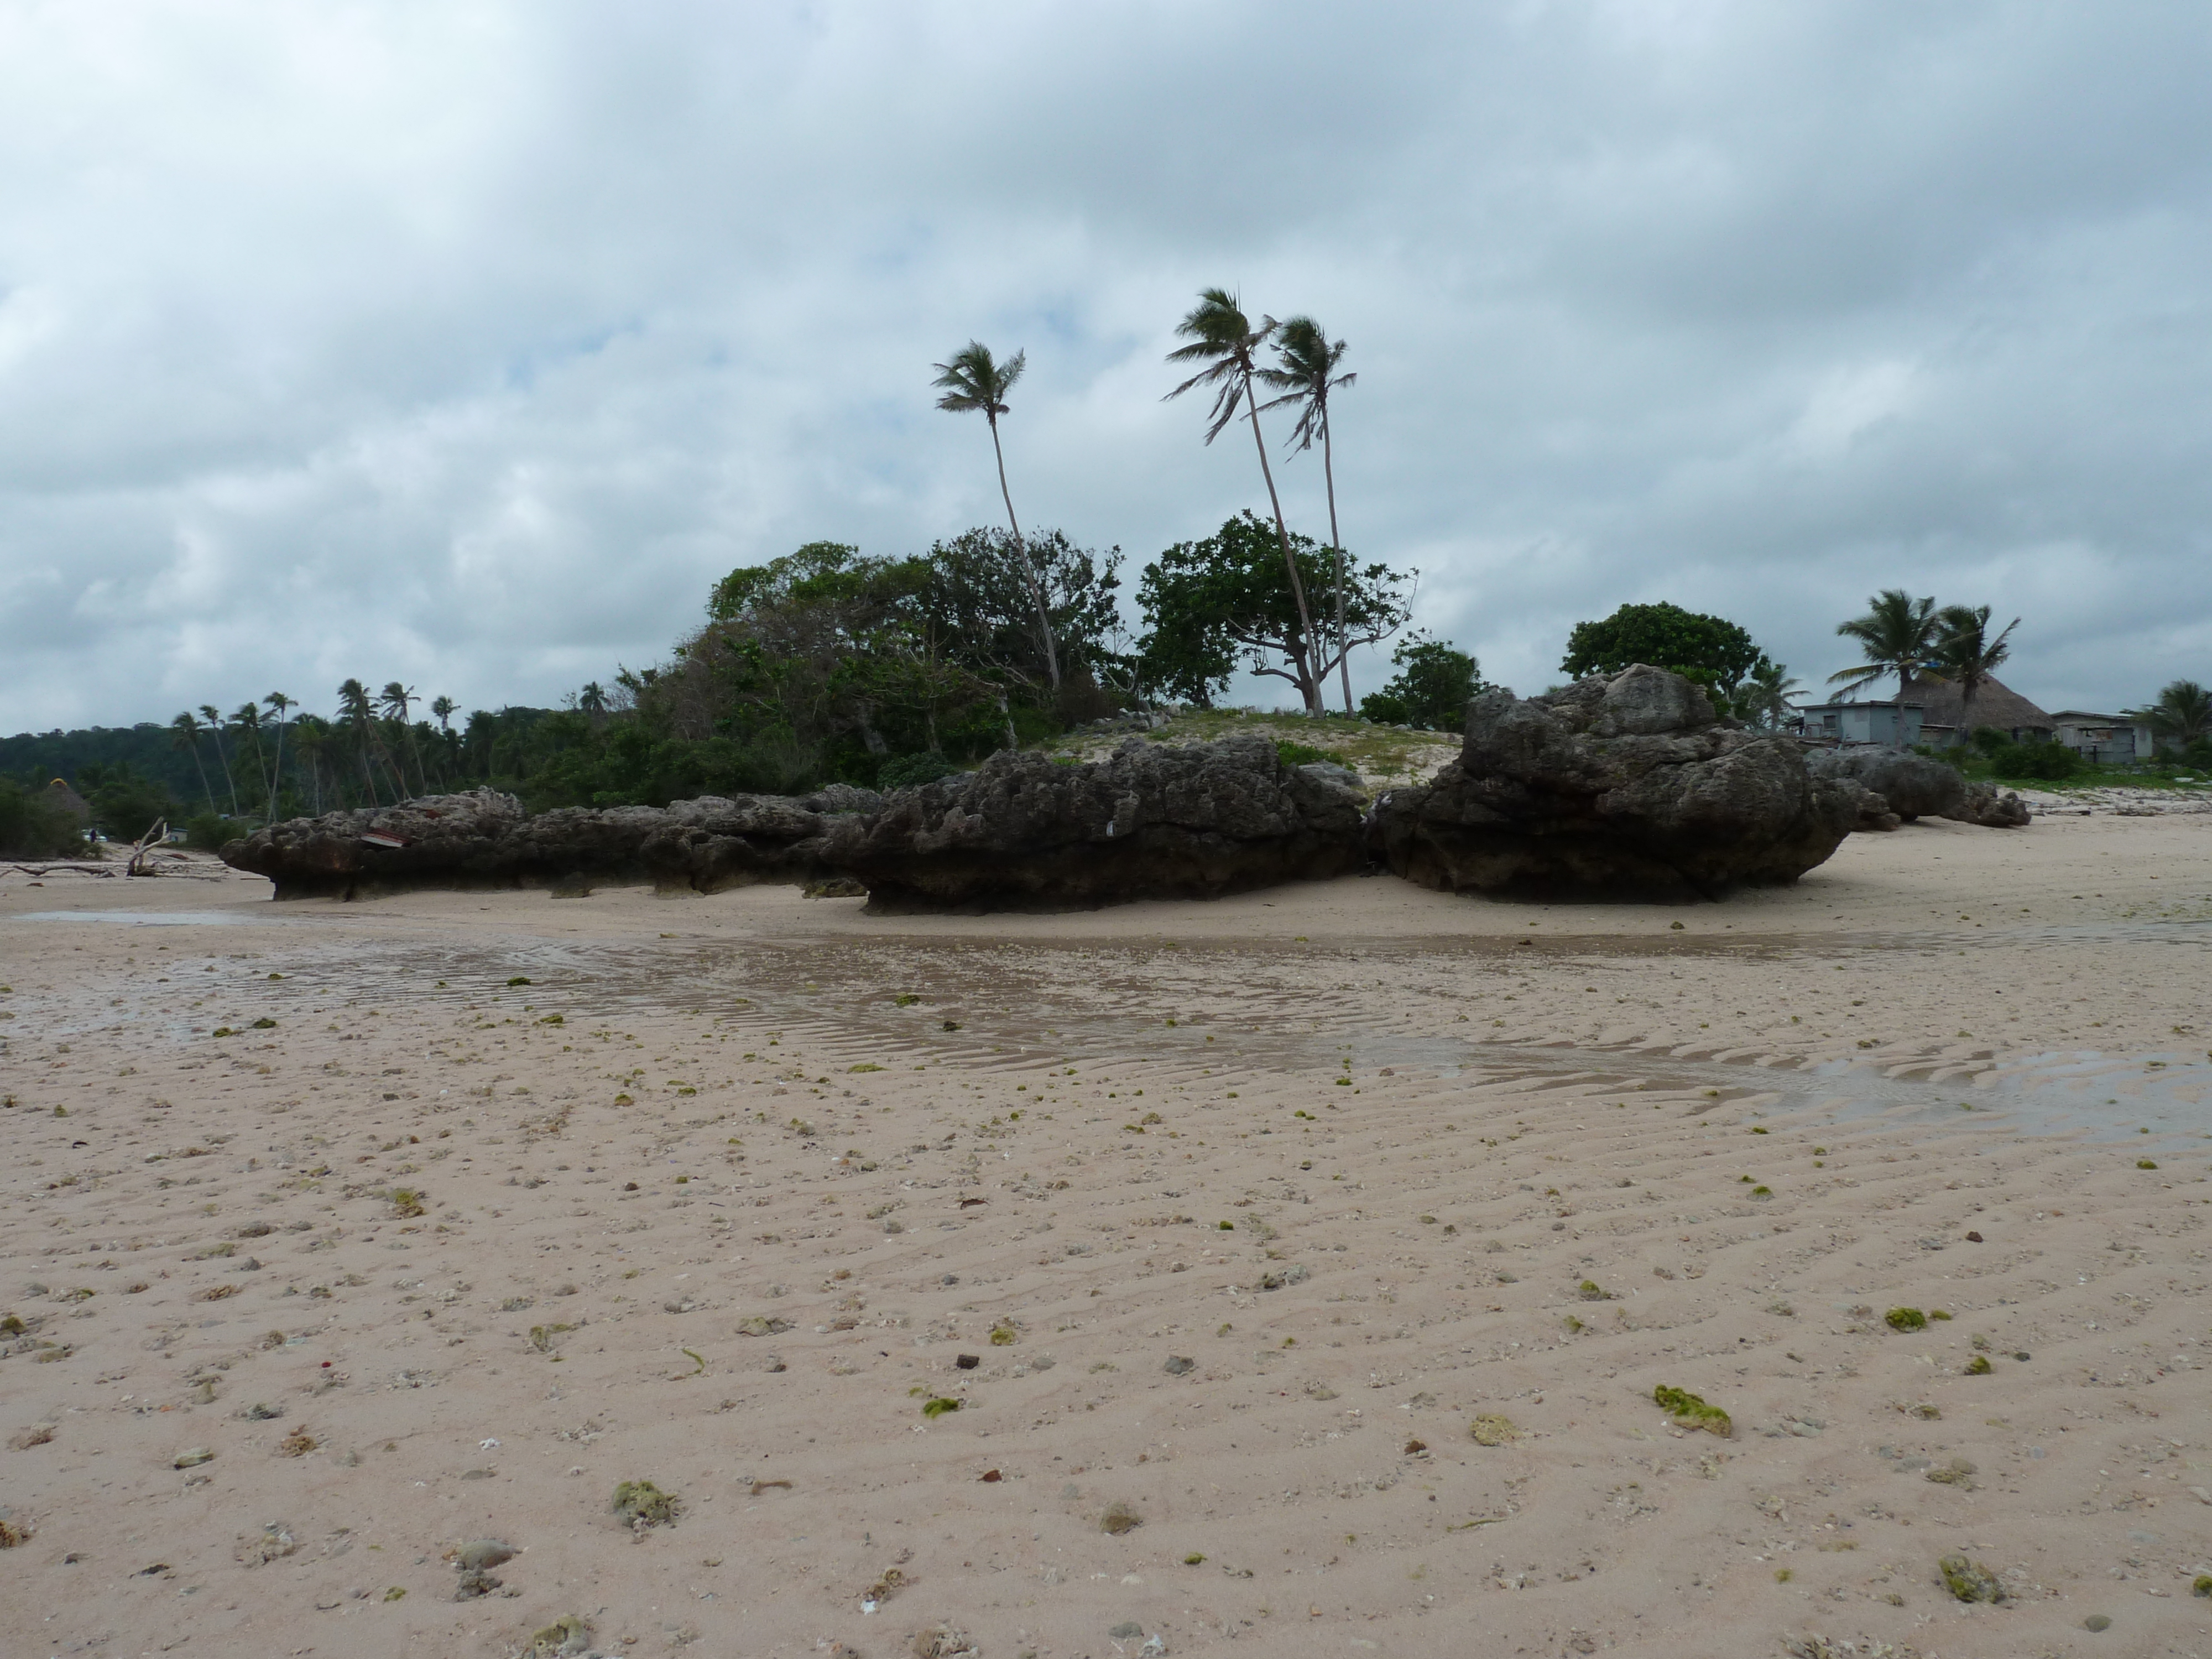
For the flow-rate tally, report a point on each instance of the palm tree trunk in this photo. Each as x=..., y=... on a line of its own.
x=228, y=782
x=201, y=766
x=277, y=774
x=1336, y=547
x=1306, y=679
x=1028, y=570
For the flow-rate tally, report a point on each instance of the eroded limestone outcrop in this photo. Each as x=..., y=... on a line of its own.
x=1623, y=785
x=483, y=839
x=1024, y=832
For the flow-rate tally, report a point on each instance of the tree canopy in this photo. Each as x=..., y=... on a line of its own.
x=1711, y=650
x=1226, y=602
x=1433, y=687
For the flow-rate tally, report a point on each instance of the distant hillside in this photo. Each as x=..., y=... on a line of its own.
x=33, y=758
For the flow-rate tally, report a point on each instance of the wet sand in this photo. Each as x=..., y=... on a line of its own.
x=1244, y=1213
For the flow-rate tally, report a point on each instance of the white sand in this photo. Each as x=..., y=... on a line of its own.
x=1519, y=1118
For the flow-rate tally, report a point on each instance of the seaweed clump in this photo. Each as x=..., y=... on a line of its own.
x=566, y=1636
x=1905, y=1319
x=1689, y=1412
x=643, y=1504
x=1970, y=1580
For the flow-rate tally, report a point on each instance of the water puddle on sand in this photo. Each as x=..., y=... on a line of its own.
x=147, y=918
x=996, y=1007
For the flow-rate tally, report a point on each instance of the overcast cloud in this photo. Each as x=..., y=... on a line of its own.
x=468, y=344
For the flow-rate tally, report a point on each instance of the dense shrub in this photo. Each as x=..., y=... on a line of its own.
x=33, y=826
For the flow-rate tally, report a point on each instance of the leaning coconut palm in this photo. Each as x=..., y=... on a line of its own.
x=972, y=381
x=1966, y=656
x=186, y=730
x=213, y=716
x=278, y=702
x=1898, y=635
x=2183, y=713
x=1306, y=378
x=1221, y=339
x=357, y=708
x=1763, y=699
x=395, y=703
x=246, y=718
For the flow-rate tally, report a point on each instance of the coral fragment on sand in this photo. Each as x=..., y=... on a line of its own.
x=643, y=1504
x=1970, y=1580
x=1689, y=1412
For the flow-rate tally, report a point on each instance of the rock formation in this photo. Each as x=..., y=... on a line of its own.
x=1914, y=785
x=1984, y=805
x=483, y=839
x=1024, y=832
x=1621, y=785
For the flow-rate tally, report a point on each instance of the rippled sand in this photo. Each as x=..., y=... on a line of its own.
x=1245, y=1212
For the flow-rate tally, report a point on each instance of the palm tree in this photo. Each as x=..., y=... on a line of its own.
x=2182, y=715
x=279, y=703
x=972, y=380
x=1898, y=635
x=1307, y=377
x=1221, y=339
x=395, y=702
x=1764, y=697
x=310, y=736
x=357, y=708
x=186, y=729
x=1966, y=655
x=247, y=720
x=213, y=718
x=444, y=707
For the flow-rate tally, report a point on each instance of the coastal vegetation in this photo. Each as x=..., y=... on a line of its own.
x=832, y=665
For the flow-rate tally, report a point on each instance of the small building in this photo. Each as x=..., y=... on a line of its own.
x=1950, y=720
x=60, y=794
x=1896, y=726
x=2104, y=739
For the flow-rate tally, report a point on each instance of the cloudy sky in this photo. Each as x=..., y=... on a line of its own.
x=467, y=343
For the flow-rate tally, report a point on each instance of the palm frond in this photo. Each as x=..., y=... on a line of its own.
x=974, y=380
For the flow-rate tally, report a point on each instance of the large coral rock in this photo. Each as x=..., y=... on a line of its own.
x=483, y=839
x=1986, y=805
x=1620, y=785
x=1149, y=821
x=1914, y=785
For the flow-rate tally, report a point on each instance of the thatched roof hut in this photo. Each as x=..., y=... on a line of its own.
x=60, y=794
x=1994, y=704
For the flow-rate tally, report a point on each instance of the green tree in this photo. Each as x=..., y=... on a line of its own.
x=1965, y=655
x=1306, y=378
x=1224, y=339
x=974, y=603
x=971, y=381
x=1711, y=650
x=124, y=805
x=32, y=825
x=1211, y=605
x=1434, y=684
x=1898, y=635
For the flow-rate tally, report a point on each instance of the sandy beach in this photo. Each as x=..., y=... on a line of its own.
x=1286, y=1275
